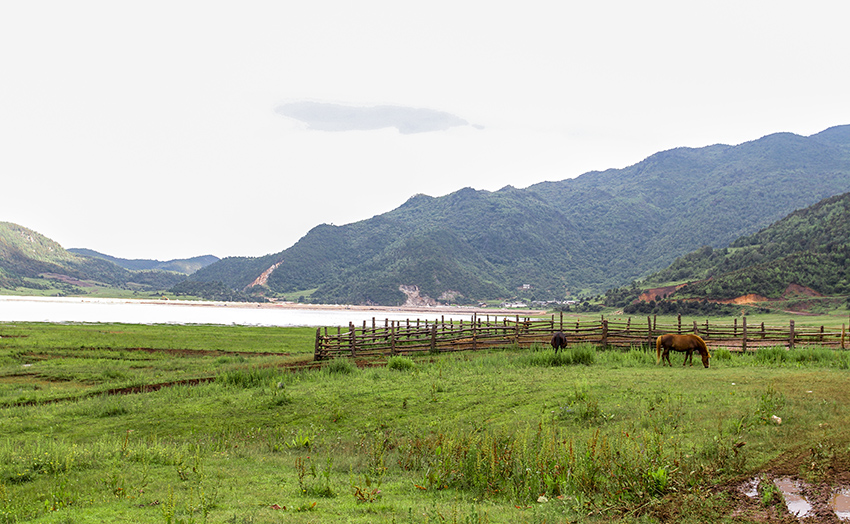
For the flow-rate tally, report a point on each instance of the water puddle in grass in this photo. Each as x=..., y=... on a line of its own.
x=840, y=503
x=795, y=502
x=750, y=488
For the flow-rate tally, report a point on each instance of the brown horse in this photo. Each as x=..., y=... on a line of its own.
x=684, y=343
x=559, y=340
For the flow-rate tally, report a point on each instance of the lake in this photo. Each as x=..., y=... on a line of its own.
x=129, y=311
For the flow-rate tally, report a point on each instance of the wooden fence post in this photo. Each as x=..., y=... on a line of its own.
x=562, y=322
x=604, y=334
x=842, y=336
x=696, y=328
x=317, y=352
x=392, y=339
x=649, y=331
x=680, y=325
x=744, y=337
x=791, y=336
x=352, y=337
x=516, y=331
x=434, y=338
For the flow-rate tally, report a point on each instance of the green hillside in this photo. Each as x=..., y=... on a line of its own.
x=810, y=247
x=582, y=235
x=31, y=261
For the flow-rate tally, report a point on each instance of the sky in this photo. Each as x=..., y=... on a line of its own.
x=174, y=129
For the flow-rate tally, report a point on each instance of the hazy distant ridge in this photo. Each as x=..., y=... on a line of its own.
x=187, y=266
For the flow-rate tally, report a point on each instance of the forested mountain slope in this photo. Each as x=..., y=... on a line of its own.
x=809, y=247
x=587, y=234
x=31, y=260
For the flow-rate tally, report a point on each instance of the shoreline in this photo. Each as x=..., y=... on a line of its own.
x=281, y=305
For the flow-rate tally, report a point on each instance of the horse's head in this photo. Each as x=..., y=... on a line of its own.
x=705, y=357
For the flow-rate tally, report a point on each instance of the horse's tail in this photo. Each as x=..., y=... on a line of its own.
x=657, y=350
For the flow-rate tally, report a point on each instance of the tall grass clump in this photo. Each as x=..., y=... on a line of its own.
x=616, y=469
x=802, y=356
x=399, y=363
x=811, y=354
x=255, y=377
x=771, y=355
x=581, y=354
x=634, y=357
x=340, y=366
x=721, y=354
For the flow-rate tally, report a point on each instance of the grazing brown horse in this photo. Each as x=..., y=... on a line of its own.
x=684, y=343
x=559, y=340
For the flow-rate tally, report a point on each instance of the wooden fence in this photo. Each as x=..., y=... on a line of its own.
x=439, y=336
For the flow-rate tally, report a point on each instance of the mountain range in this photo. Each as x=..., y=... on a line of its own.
x=551, y=240
x=554, y=239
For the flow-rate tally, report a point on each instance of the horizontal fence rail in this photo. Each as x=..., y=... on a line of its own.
x=419, y=336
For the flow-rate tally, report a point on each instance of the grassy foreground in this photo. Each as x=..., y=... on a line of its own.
x=502, y=436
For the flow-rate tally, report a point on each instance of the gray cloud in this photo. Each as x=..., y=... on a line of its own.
x=335, y=117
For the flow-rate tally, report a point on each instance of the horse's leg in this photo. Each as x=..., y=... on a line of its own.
x=689, y=356
x=665, y=357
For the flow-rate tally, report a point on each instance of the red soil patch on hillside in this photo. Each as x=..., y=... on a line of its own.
x=752, y=298
x=652, y=294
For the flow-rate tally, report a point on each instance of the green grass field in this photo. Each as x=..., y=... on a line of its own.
x=493, y=436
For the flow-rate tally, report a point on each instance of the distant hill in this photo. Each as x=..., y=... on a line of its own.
x=810, y=247
x=582, y=235
x=187, y=266
x=29, y=260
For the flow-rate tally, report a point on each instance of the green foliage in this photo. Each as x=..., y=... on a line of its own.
x=581, y=354
x=340, y=366
x=213, y=291
x=32, y=261
x=400, y=363
x=681, y=307
x=810, y=247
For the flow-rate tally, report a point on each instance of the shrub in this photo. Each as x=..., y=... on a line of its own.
x=722, y=354
x=340, y=366
x=569, y=356
x=400, y=363
x=771, y=355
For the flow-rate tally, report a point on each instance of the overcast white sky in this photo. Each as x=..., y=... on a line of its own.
x=166, y=129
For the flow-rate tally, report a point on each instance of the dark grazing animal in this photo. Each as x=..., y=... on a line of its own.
x=559, y=340
x=683, y=343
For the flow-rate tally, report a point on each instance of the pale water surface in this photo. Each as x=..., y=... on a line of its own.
x=77, y=309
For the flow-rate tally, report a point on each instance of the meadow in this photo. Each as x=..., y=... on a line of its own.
x=244, y=432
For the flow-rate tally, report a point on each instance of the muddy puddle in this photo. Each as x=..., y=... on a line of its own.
x=794, y=500
x=750, y=488
x=839, y=502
